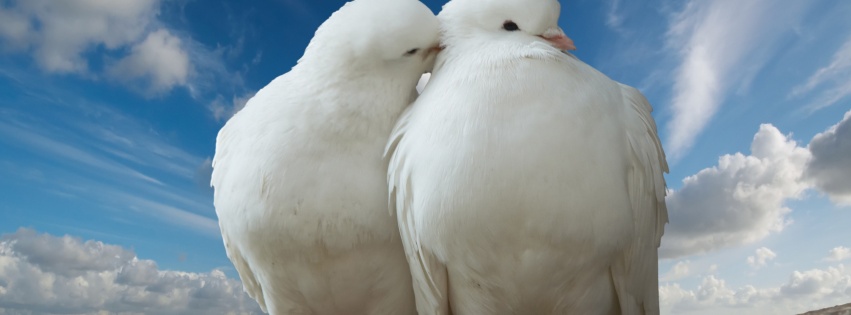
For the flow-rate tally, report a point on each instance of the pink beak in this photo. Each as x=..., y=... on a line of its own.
x=433, y=51
x=560, y=41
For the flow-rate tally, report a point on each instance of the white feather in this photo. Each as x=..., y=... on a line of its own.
x=525, y=181
x=300, y=183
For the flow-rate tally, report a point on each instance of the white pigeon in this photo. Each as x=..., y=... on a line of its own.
x=525, y=181
x=299, y=177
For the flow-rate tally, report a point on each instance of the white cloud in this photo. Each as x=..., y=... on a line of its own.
x=829, y=168
x=762, y=256
x=45, y=274
x=713, y=268
x=678, y=271
x=839, y=253
x=711, y=291
x=110, y=161
x=740, y=200
x=14, y=29
x=673, y=294
x=720, y=43
x=127, y=37
x=203, y=174
x=804, y=291
x=614, y=18
x=840, y=62
x=69, y=153
x=818, y=283
x=223, y=110
x=301, y=8
x=166, y=212
x=160, y=60
x=837, y=74
x=59, y=32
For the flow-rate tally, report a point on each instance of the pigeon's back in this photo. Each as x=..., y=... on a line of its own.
x=303, y=214
x=299, y=178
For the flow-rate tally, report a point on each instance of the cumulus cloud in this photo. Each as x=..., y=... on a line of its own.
x=678, y=271
x=159, y=60
x=740, y=200
x=59, y=32
x=819, y=283
x=762, y=256
x=803, y=291
x=720, y=43
x=126, y=37
x=711, y=291
x=62, y=34
x=829, y=169
x=838, y=254
x=45, y=274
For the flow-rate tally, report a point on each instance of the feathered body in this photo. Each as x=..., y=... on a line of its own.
x=527, y=182
x=300, y=183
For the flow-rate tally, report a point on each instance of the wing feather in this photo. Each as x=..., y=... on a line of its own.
x=428, y=273
x=636, y=276
x=222, y=165
x=249, y=282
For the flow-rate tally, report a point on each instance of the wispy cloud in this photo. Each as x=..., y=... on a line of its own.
x=836, y=77
x=69, y=154
x=614, y=18
x=716, y=42
x=165, y=213
x=223, y=110
x=106, y=159
x=303, y=10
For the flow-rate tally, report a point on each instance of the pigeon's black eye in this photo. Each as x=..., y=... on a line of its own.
x=412, y=51
x=510, y=26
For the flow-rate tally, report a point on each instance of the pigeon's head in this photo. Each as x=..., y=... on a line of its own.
x=520, y=22
x=395, y=34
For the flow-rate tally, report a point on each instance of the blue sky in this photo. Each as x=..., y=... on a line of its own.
x=109, y=112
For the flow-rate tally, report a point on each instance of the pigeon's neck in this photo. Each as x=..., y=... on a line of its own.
x=361, y=100
x=476, y=53
x=482, y=52
x=374, y=81
x=338, y=70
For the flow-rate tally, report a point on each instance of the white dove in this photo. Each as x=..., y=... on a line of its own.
x=525, y=181
x=300, y=182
